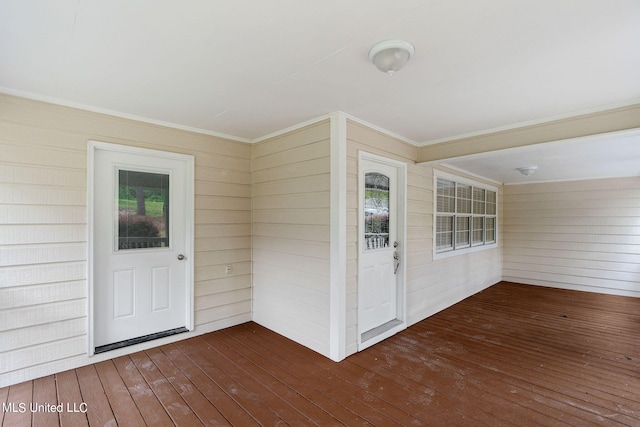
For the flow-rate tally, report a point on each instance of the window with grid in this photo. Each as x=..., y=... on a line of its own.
x=466, y=215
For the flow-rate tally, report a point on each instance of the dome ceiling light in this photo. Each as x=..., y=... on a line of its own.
x=527, y=170
x=391, y=55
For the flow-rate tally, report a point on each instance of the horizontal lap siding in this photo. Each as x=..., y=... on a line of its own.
x=431, y=285
x=222, y=236
x=581, y=235
x=291, y=197
x=43, y=229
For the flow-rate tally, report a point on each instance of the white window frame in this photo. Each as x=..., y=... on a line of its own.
x=471, y=247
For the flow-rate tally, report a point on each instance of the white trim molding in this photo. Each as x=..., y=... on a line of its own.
x=338, y=238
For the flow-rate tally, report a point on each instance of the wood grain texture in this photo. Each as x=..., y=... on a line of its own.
x=510, y=355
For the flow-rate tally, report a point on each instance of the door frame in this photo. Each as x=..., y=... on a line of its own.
x=92, y=147
x=388, y=329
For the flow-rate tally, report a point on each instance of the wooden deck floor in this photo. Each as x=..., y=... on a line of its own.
x=512, y=355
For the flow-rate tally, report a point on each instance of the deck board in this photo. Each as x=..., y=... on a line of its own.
x=124, y=408
x=234, y=413
x=302, y=382
x=44, y=391
x=275, y=381
x=100, y=412
x=320, y=373
x=205, y=410
x=147, y=403
x=510, y=355
x=68, y=393
x=174, y=405
x=269, y=398
x=20, y=397
x=4, y=394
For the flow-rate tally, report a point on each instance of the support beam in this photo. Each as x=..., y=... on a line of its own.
x=617, y=119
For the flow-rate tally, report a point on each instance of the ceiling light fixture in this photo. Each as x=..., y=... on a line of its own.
x=391, y=55
x=527, y=170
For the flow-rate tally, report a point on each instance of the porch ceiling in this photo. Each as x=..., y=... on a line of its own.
x=248, y=68
x=612, y=155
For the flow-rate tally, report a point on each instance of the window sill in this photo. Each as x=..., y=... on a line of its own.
x=449, y=254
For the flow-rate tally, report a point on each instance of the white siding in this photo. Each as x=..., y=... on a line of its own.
x=291, y=253
x=431, y=285
x=43, y=230
x=581, y=235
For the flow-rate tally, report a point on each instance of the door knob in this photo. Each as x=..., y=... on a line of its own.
x=180, y=257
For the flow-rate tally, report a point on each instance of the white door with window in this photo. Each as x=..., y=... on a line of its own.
x=381, y=248
x=141, y=222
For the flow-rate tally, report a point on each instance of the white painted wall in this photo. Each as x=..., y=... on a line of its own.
x=582, y=235
x=43, y=231
x=291, y=235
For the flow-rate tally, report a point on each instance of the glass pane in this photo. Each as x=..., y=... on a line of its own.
x=491, y=202
x=462, y=231
x=490, y=230
x=477, y=233
x=464, y=198
x=444, y=233
x=446, y=196
x=478, y=201
x=376, y=211
x=143, y=210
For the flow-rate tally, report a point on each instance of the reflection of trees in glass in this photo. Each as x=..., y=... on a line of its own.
x=143, y=206
x=144, y=198
x=376, y=208
x=137, y=229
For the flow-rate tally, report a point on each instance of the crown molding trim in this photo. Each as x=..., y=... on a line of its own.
x=84, y=107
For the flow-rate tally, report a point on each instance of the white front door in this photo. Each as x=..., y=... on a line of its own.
x=380, y=247
x=141, y=244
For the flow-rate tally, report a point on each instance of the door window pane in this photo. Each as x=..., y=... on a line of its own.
x=143, y=210
x=376, y=211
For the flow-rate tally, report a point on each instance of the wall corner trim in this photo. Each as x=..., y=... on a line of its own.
x=338, y=237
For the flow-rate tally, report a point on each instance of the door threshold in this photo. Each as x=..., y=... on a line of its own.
x=138, y=340
x=379, y=330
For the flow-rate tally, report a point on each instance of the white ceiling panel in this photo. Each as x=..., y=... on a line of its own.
x=611, y=155
x=248, y=68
